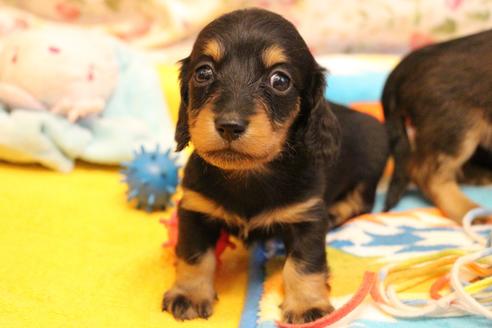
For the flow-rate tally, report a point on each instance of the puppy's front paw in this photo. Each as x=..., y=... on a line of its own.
x=186, y=305
x=311, y=314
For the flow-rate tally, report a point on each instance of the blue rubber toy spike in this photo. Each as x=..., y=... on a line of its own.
x=152, y=177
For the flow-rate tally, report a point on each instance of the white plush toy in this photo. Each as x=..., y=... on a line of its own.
x=64, y=70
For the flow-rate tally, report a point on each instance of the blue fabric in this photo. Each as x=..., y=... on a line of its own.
x=135, y=115
x=414, y=199
x=360, y=87
x=256, y=276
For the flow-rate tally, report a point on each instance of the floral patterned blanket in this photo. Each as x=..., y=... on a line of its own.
x=331, y=26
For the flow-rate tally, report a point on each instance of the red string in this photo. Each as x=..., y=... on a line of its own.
x=367, y=285
x=437, y=286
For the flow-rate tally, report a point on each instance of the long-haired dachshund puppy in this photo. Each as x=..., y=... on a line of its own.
x=271, y=159
x=442, y=94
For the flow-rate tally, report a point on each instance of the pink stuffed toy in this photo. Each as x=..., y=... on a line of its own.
x=67, y=71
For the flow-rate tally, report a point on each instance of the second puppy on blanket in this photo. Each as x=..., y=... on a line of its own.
x=442, y=94
x=272, y=158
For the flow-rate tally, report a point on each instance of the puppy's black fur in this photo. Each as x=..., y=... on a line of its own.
x=443, y=94
x=287, y=164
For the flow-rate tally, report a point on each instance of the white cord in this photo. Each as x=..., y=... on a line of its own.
x=468, y=220
x=458, y=302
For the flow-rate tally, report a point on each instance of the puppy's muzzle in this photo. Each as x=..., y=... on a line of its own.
x=230, y=129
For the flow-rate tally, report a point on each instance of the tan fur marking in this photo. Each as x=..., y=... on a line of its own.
x=202, y=131
x=476, y=174
x=195, y=281
x=262, y=132
x=194, y=201
x=193, y=277
x=450, y=199
x=304, y=291
x=441, y=185
x=351, y=205
x=486, y=134
x=205, y=139
x=262, y=141
x=214, y=49
x=273, y=55
x=287, y=214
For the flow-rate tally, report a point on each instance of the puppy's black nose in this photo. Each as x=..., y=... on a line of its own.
x=230, y=129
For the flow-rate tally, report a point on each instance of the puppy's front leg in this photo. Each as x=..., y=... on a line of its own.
x=305, y=273
x=193, y=293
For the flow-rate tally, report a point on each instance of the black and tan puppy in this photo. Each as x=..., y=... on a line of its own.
x=443, y=94
x=271, y=159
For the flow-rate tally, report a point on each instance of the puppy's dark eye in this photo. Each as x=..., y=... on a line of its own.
x=204, y=74
x=280, y=81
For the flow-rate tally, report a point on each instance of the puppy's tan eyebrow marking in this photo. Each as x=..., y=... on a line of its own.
x=273, y=55
x=214, y=49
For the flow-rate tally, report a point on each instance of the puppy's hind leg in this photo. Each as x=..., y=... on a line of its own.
x=436, y=175
x=358, y=201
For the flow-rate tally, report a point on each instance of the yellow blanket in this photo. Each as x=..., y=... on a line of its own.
x=74, y=254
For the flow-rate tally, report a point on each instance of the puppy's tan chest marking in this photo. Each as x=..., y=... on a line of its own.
x=196, y=202
x=292, y=213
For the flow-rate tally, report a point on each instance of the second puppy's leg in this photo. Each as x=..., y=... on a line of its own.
x=436, y=175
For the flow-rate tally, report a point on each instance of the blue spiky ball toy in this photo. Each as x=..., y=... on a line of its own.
x=152, y=177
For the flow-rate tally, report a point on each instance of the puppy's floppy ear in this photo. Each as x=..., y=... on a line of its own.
x=322, y=135
x=182, y=133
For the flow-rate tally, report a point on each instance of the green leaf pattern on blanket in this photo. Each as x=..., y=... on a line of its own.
x=479, y=15
x=448, y=27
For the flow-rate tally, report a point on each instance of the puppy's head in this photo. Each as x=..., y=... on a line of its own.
x=249, y=82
